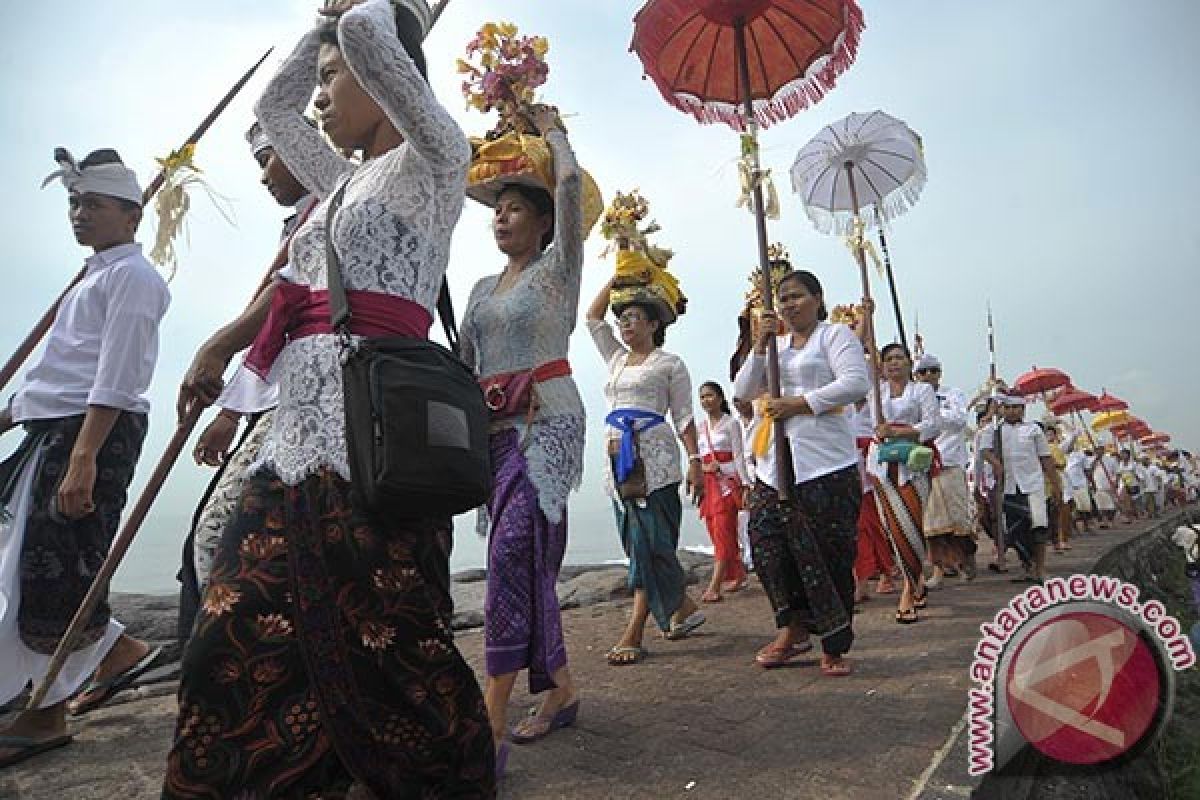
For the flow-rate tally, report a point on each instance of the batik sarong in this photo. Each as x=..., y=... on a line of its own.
x=213, y=513
x=59, y=557
x=649, y=530
x=899, y=510
x=323, y=654
x=522, y=625
x=1026, y=523
x=804, y=552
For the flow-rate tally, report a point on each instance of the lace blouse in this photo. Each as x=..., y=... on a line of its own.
x=662, y=385
x=530, y=325
x=392, y=232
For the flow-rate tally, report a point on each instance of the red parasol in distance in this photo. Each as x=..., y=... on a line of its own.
x=1041, y=380
x=1107, y=402
x=1072, y=400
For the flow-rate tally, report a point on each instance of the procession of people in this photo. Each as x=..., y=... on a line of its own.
x=316, y=627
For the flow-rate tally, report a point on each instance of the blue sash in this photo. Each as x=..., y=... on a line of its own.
x=625, y=420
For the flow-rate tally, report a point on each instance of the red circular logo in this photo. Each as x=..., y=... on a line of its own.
x=1084, y=688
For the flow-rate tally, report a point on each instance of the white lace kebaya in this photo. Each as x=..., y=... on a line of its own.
x=661, y=385
x=392, y=232
x=530, y=325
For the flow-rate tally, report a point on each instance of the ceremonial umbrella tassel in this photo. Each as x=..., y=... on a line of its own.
x=860, y=172
x=748, y=63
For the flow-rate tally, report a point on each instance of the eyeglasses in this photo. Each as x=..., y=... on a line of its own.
x=632, y=316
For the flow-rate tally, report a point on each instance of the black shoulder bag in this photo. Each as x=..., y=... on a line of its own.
x=416, y=421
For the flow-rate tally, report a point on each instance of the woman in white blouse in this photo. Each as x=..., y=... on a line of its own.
x=910, y=411
x=804, y=547
x=725, y=479
x=645, y=384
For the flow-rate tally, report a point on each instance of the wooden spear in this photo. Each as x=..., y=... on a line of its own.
x=30, y=343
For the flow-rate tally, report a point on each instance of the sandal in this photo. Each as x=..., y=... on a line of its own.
x=538, y=726
x=772, y=657
x=920, y=600
x=710, y=596
x=840, y=669
x=735, y=586
x=97, y=693
x=624, y=655
x=681, y=630
x=994, y=567
x=906, y=617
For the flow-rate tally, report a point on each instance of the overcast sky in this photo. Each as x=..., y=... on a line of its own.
x=1060, y=140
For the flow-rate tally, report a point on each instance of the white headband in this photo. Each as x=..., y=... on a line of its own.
x=113, y=179
x=258, y=140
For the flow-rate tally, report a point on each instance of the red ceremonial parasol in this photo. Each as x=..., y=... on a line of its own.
x=748, y=63
x=1107, y=402
x=1041, y=380
x=1155, y=438
x=1072, y=400
x=701, y=54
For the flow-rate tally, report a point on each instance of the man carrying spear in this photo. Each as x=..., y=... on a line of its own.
x=83, y=407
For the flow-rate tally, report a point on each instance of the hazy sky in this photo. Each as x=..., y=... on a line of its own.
x=1059, y=139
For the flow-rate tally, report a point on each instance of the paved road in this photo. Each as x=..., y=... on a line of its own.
x=696, y=720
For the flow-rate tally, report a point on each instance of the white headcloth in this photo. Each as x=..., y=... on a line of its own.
x=258, y=139
x=113, y=179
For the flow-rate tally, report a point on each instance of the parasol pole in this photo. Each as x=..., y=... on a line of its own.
x=861, y=257
x=999, y=525
x=783, y=455
x=437, y=12
x=891, y=278
x=31, y=341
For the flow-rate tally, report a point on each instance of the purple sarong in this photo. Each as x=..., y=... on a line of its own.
x=522, y=626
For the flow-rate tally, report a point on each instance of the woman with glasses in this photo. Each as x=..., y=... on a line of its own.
x=646, y=384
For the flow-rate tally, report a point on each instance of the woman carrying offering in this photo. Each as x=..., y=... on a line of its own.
x=725, y=481
x=910, y=414
x=323, y=654
x=804, y=547
x=645, y=384
x=517, y=329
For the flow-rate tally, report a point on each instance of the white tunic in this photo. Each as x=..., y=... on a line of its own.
x=1023, y=446
x=917, y=406
x=103, y=345
x=830, y=373
x=725, y=437
x=952, y=441
x=661, y=385
x=392, y=233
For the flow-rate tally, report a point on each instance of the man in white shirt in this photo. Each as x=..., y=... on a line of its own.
x=83, y=408
x=1129, y=474
x=246, y=395
x=947, y=512
x=1102, y=471
x=1026, y=470
x=1153, y=481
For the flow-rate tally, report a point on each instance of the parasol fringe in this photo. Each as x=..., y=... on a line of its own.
x=841, y=223
x=791, y=98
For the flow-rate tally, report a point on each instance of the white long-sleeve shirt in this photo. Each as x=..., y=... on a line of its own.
x=951, y=442
x=830, y=373
x=917, y=406
x=1023, y=446
x=103, y=345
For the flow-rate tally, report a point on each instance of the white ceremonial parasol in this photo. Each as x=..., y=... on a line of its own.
x=861, y=172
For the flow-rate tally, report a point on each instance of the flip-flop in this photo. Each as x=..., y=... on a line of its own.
x=906, y=617
x=28, y=747
x=681, y=630
x=539, y=727
x=994, y=567
x=732, y=586
x=624, y=656
x=105, y=690
x=772, y=658
x=921, y=600
x=838, y=670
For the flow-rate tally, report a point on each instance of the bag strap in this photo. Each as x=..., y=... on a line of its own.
x=339, y=305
